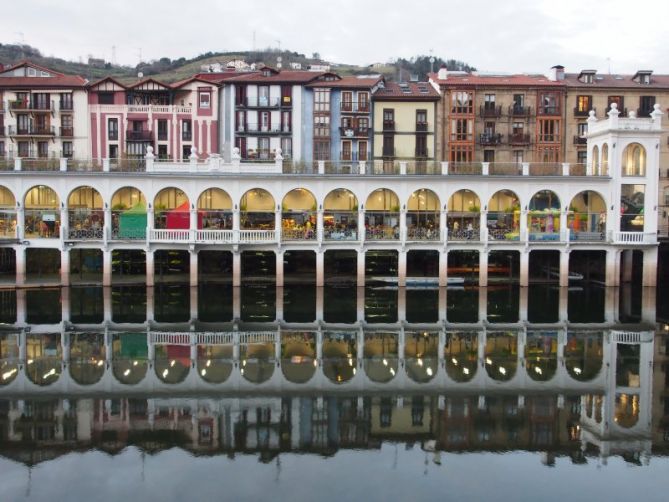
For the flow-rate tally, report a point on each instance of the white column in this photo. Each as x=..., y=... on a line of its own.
x=65, y=304
x=320, y=268
x=236, y=303
x=403, y=225
x=650, y=267
x=523, y=226
x=194, y=311
x=564, y=268
x=360, y=304
x=564, y=231
x=522, y=310
x=401, y=268
x=193, y=221
x=236, y=269
x=483, y=224
x=20, y=223
x=106, y=267
x=401, y=305
x=107, y=223
x=563, y=308
x=361, y=268
x=107, y=304
x=483, y=304
x=279, y=303
x=279, y=268
x=149, y=268
x=524, y=268
x=443, y=229
x=362, y=230
x=149, y=309
x=483, y=268
x=277, y=224
x=65, y=267
x=20, y=252
x=319, y=225
x=443, y=268
x=319, y=304
x=235, y=224
x=193, y=268
x=612, y=267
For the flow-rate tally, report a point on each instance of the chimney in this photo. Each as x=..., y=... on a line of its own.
x=443, y=73
x=557, y=73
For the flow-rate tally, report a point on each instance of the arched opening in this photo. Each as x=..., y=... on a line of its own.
x=7, y=214
x=214, y=210
x=464, y=216
x=381, y=356
x=421, y=352
x=42, y=213
x=634, y=160
x=587, y=217
x=632, y=207
x=382, y=215
x=339, y=356
x=595, y=160
x=130, y=357
x=171, y=209
x=541, y=356
x=172, y=363
x=583, y=355
x=215, y=362
x=298, y=215
x=605, y=161
x=422, y=216
x=257, y=210
x=43, y=358
x=340, y=216
x=501, y=355
x=85, y=215
x=87, y=357
x=460, y=354
x=128, y=209
x=627, y=410
x=543, y=217
x=257, y=361
x=503, y=218
x=9, y=357
x=298, y=356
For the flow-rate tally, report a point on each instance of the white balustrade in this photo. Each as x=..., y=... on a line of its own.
x=633, y=237
x=257, y=337
x=169, y=235
x=253, y=236
x=215, y=236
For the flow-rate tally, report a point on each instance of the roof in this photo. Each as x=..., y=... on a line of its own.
x=472, y=80
x=216, y=78
x=277, y=77
x=57, y=80
x=194, y=78
x=617, y=81
x=349, y=82
x=105, y=79
x=410, y=91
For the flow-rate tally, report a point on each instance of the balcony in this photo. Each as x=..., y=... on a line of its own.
x=32, y=106
x=186, y=135
x=490, y=111
x=644, y=112
x=580, y=140
x=582, y=112
x=520, y=111
x=549, y=110
x=351, y=107
x=139, y=135
x=261, y=102
x=354, y=132
x=421, y=126
x=549, y=138
x=66, y=132
x=66, y=105
x=388, y=125
x=32, y=131
x=519, y=139
x=263, y=129
x=490, y=139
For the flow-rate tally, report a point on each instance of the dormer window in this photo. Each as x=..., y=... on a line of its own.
x=643, y=77
x=267, y=73
x=587, y=76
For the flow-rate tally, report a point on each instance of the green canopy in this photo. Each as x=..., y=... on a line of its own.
x=132, y=223
x=133, y=345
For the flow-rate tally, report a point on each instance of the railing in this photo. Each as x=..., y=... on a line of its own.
x=81, y=234
x=423, y=167
x=162, y=135
x=577, y=170
x=382, y=233
x=66, y=105
x=464, y=234
x=580, y=140
x=520, y=111
x=254, y=236
x=545, y=169
x=462, y=136
x=32, y=105
x=549, y=110
x=388, y=125
x=67, y=132
x=388, y=152
x=40, y=164
x=215, y=236
x=519, y=139
x=490, y=139
x=139, y=135
x=112, y=135
x=130, y=234
x=297, y=234
x=252, y=127
x=505, y=169
x=633, y=237
x=261, y=102
x=423, y=234
x=354, y=107
x=579, y=112
x=421, y=126
x=490, y=111
x=334, y=234
x=169, y=235
x=353, y=132
x=127, y=165
x=465, y=168
x=391, y=167
x=32, y=131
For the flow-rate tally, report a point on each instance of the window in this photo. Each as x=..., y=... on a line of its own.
x=66, y=128
x=518, y=102
x=185, y=152
x=287, y=147
x=66, y=101
x=162, y=130
x=489, y=102
x=106, y=98
x=646, y=104
x=666, y=196
x=583, y=105
x=388, y=145
x=362, y=150
x=42, y=149
x=549, y=131
x=347, y=101
x=264, y=121
x=462, y=102
x=363, y=101
x=489, y=129
x=461, y=153
x=462, y=129
x=113, y=151
x=518, y=128
x=162, y=151
x=2, y=148
x=321, y=125
x=518, y=156
x=263, y=95
x=363, y=125
x=346, y=153
x=618, y=100
x=187, y=131
x=321, y=150
x=388, y=119
x=285, y=121
x=488, y=155
x=68, y=152
x=581, y=156
x=634, y=160
x=549, y=104
x=205, y=99
x=421, y=120
x=321, y=100
x=24, y=149
x=421, y=146
x=582, y=128
x=112, y=129
x=632, y=207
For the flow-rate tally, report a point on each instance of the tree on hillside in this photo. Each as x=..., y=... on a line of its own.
x=420, y=65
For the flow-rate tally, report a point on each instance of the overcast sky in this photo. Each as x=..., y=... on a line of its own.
x=510, y=36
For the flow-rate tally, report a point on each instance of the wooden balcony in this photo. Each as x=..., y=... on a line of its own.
x=520, y=111
x=490, y=111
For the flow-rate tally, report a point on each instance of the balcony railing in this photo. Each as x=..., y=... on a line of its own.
x=112, y=135
x=67, y=132
x=139, y=135
x=352, y=107
x=490, y=111
x=66, y=105
x=549, y=110
x=162, y=135
x=519, y=139
x=388, y=125
x=261, y=102
x=582, y=112
x=421, y=126
x=520, y=111
x=32, y=131
x=388, y=151
x=580, y=140
x=623, y=111
x=354, y=132
x=256, y=128
x=32, y=106
x=490, y=139
x=186, y=135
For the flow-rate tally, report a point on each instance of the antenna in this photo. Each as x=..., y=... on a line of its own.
x=113, y=59
x=279, y=43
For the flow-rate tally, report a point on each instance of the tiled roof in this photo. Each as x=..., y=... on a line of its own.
x=216, y=78
x=470, y=80
x=283, y=76
x=195, y=78
x=56, y=81
x=105, y=79
x=410, y=91
x=349, y=82
x=617, y=81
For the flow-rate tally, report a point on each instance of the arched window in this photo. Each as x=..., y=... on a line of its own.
x=595, y=160
x=634, y=160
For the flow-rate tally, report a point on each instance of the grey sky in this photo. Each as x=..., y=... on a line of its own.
x=514, y=36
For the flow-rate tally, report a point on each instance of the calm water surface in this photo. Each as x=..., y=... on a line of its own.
x=338, y=393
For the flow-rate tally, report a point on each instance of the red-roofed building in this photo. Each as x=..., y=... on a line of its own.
x=42, y=113
x=173, y=119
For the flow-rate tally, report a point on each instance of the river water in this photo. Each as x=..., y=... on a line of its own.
x=337, y=393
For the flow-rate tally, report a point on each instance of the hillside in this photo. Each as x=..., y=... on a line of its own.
x=171, y=70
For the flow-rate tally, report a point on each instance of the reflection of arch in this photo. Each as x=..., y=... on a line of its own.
x=605, y=160
x=421, y=356
x=43, y=358
x=541, y=356
x=382, y=199
x=299, y=199
x=634, y=160
x=9, y=358
x=87, y=357
x=381, y=356
x=627, y=410
x=257, y=361
x=172, y=363
x=501, y=355
x=41, y=197
x=214, y=199
x=129, y=357
x=215, y=362
x=583, y=356
x=340, y=199
x=298, y=356
x=595, y=159
x=339, y=357
x=460, y=354
x=7, y=199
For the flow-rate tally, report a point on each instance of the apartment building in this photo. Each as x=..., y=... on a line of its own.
x=404, y=125
x=42, y=113
x=499, y=118
x=342, y=117
x=173, y=119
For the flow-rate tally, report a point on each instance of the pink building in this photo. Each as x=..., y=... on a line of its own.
x=171, y=118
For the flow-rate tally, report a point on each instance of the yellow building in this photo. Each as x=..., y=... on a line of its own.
x=404, y=125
